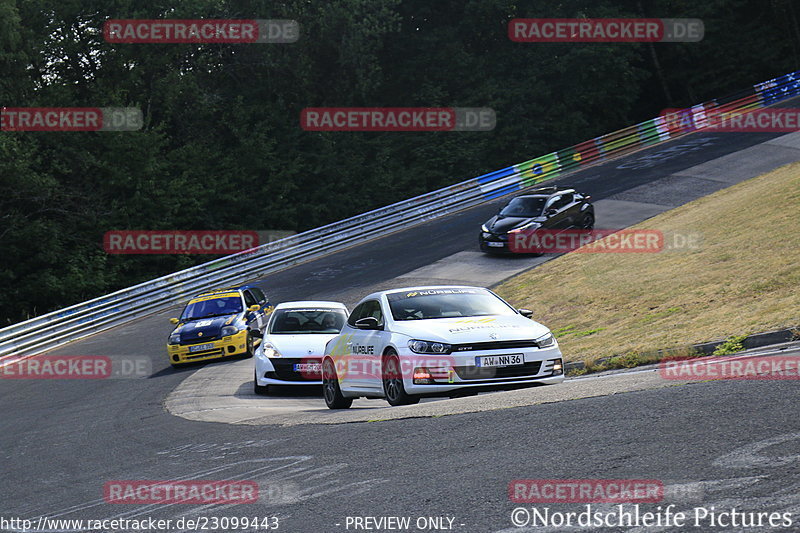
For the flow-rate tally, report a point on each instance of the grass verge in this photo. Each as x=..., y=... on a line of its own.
x=743, y=278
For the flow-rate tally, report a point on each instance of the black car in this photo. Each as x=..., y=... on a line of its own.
x=545, y=208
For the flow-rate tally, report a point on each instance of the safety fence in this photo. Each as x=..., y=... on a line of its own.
x=60, y=327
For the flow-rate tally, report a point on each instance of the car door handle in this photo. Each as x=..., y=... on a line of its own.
x=349, y=344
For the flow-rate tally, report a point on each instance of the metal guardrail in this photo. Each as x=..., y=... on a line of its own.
x=60, y=327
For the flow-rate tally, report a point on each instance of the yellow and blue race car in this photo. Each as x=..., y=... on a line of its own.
x=219, y=323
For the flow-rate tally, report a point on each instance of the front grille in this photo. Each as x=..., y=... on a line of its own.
x=284, y=370
x=185, y=339
x=468, y=373
x=494, y=345
x=205, y=353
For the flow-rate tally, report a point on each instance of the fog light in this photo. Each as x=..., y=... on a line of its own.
x=231, y=349
x=558, y=367
x=422, y=376
x=176, y=358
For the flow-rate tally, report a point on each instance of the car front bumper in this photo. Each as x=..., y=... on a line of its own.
x=224, y=347
x=460, y=371
x=283, y=370
x=492, y=243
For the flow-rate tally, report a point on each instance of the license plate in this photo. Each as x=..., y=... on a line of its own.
x=311, y=368
x=500, y=360
x=201, y=347
x=495, y=244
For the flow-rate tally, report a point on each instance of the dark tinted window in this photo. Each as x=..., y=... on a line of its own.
x=566, y=199
x=258, y=295
x=248, y=299
x=356, y=314
x=524, y=207
x=446, y=303
x=373, y=309
x=212, y=307
x=311, y=320
x=369, y=308
x=560, y=202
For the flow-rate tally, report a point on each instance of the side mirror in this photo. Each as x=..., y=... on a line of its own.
x=368, y=322
x=254, y=308
x=527, y=313
x=256, y=333
x=550, y=212
x=174, y=320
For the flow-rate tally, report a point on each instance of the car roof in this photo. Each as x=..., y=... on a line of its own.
x=545, y=192
x=227, y=289
x=310, y=303
x=422, y=288
x=220, y=289
x=249, y=286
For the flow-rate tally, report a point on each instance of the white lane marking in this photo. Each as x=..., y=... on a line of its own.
x=751, y=457
x=317, y=481
x=8, y=360
x=203, y=474
x=747, y=490
x=671, y=152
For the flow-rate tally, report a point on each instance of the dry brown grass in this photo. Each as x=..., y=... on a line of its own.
x=744, y=277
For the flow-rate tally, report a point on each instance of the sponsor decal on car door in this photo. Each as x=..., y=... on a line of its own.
x=364, y=360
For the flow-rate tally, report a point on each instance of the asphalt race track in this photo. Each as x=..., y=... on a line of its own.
x=721, y=443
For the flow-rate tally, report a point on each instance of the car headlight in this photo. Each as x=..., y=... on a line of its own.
x=418, y=346
x=528, y=226
x=227, y=331
x=270, y=350
x=484, y=228
x=175, y=338
x=545, y=341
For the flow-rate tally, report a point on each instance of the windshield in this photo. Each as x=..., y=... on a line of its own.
x=446, y=303
x=301, y=321
x=524, y=207
x=213, y=307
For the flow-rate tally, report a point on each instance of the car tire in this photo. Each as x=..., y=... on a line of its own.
x=249, y=346
x=393, y=388
x=334, y=398
x=261, y=390
x=587, y=222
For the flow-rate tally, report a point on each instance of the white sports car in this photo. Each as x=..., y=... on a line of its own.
x=402, y=344
x=294, y=341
